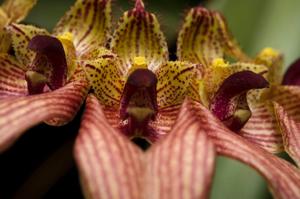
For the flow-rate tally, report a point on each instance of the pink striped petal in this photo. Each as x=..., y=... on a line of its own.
x=262, y=128
x=290, y=131
x=89, y=21
x=12, y=78
x=57, y=108
x=182, y=164
x=110, y=166
x=282, y=177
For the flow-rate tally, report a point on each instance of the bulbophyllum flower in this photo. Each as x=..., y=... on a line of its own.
x=132, y=99
x=45, y=81
x=205, y=39
x=12, y=11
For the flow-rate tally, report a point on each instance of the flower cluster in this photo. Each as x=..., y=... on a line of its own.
x=188, y=111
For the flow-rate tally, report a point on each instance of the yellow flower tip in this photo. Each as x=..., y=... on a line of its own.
x=66, y=36
x=219, y=62
x=269, y=52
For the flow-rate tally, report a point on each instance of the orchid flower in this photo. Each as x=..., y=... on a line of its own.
x=12, y=11
x=136, y=94
x=45, y=82
x=205, y=39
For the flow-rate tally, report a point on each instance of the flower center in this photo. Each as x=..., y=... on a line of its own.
x=49, y=66
x=138, y=102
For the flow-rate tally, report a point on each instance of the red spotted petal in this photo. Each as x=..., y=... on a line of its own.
x=57, y=108
x=110, y=166
x=182, y=164
x=12, y=78
x=291, y=132
x=89, y=21
x=282, y=177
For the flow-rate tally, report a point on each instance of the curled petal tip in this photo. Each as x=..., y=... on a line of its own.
x=292, y=75
x=229, y=100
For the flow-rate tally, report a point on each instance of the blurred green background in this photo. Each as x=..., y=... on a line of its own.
x=254, y=23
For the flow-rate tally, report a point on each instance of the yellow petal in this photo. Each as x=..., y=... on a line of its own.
x=105, y=79
x=274, y=61
x=21, y=35
x=174, y=79
x=17, y=10
x=89, y=22
x=138, y=35
x=204, y=36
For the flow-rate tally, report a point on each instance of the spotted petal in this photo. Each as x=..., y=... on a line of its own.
x=21, y=36
x=110, y=166
x=89, y=22
x=12, y=77
x=57, y=108
x=17, y=10
x=105, y=79
x=282, y=177
x=138, y=35
x=174, y=79
x=204, y=36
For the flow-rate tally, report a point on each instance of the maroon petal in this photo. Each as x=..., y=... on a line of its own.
x=292, y=75
x=57, y=108
x=231, y=98
x=53, y=49
x=282, y=177
x=110, y=165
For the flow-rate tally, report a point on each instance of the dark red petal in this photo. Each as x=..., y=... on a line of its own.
x=292, y=75
x=228, y=98
x=53, y=49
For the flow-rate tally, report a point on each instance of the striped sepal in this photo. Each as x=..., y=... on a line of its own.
x=204, y=36
x=57, y=107
x=182, y=164
x=291, y=132
x=282, y=177
x=21, y=36
x=89, y=22
x=138, y=35
x=17, y=10
x=110, y=166
x=262, y=128
x=12, y=78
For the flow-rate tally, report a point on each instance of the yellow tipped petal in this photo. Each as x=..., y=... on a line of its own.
x=273, y=59
x=21, y=35
x=204, y=36
x=17, y=10
x=105, y=79
x=89, y=22
x=138, y=35
x=174, y=79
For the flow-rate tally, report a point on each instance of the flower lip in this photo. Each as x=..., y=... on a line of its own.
x=229, y=105
x=50, y=59
x=291, y=76
x=139, y=101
